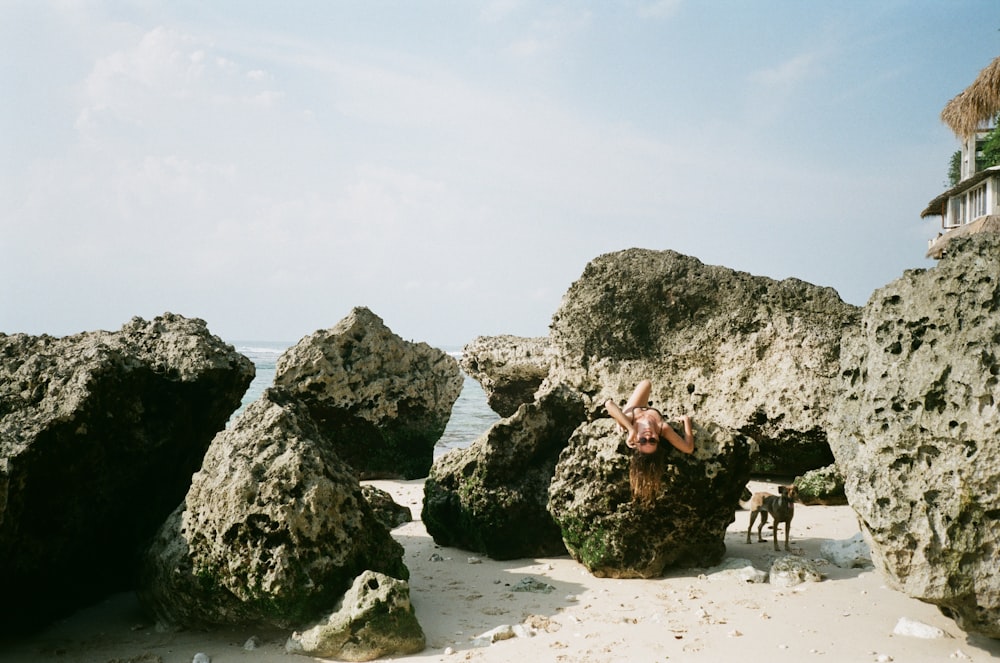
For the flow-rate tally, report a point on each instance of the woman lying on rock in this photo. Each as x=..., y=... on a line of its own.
x=646, y=427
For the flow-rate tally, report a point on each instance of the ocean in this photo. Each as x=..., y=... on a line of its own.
x=470, y=416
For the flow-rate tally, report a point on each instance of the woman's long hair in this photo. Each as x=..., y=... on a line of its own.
x=645, y=474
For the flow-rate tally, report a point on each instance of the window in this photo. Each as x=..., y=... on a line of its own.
x=974, y=205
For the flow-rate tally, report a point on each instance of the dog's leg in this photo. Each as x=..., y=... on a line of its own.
x=763, y=521
x=788, y=526
x=753, y=517
x=774, y=532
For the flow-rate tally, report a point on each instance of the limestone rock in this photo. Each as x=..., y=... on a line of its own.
x=99, y=435
x=746, y=352
x=849, y=553
x=792, y=570
x=491, y=497
x=918, y=433
x=613, y=536
x=388, y=512
x=273, y=529
x=510, y=369
x=374, y=620
x=821, y=486
x=383, y=401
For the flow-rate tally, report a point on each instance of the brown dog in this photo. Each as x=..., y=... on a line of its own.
x=780, y=507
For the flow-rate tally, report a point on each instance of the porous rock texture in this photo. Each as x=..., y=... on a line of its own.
x=491, y=497
x=382, y=401
x=99, y=435
x=743, y=351
x=374, y=620
x=388, y=512
x=753, y=360
x=510, y=369
x=614, y=536
x=917, y=432
x=822, y=486
x=272, y=531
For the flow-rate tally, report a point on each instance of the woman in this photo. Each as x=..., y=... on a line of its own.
x=646, y=427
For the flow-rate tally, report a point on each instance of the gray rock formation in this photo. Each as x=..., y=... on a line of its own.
x=491, y=497
x=374, y=620
x=388, y=512
x=382, y=401
x=99, y=435
x=755, y=361
x=273, y=529
x=510, y=369
x=746, y=352
x=822, y=486
x=918, y=432
x=614, y=536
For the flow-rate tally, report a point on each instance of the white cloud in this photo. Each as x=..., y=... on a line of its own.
x=787, y=74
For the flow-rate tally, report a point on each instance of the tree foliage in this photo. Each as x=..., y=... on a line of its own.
x=955, y=169
x=987, y=154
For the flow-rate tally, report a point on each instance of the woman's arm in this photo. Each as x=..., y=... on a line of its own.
x=684, y=444
x=624, y=420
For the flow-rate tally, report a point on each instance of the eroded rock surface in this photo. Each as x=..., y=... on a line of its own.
x=616, y=537
x=99, y=435
x=918, y=432
x=743, y=351
x=492, y=496
x=510, y=369
x=382, y=401
x=374, y=620
x=273, y=530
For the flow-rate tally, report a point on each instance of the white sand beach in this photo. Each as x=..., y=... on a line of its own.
x=688, y=615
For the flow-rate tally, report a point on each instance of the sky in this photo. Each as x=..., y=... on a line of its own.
x=454, y=165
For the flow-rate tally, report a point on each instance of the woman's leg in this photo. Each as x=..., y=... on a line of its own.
x=640, y=396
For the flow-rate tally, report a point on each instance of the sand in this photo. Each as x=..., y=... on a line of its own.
x=688, y=615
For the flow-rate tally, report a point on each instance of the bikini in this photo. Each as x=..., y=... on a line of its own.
x=644, y=422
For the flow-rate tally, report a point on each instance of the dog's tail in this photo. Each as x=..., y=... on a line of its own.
x=744, y=500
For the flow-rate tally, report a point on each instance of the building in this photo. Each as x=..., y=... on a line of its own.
x=972, y=205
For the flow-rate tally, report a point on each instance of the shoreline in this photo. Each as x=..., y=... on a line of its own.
x=687, y=614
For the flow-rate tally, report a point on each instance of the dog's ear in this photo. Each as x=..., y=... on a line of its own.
x=783, y=490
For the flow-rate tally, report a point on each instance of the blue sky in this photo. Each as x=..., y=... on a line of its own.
x=454, y=166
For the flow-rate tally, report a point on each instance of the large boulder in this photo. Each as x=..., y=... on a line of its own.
x=273, y=530
x=382, y=401
x=614, y=536
x=510, y=369
x=918, y=432
x=491, y=497
x=99, y=435
x=746, y=352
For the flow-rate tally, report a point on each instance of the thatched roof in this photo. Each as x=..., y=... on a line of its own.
x=976, y=104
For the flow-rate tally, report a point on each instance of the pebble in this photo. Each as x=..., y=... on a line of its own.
x=201, y=657
x=252, y=643
x=917, y=629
